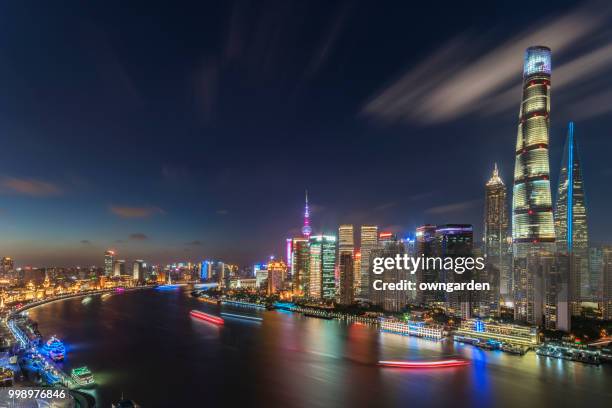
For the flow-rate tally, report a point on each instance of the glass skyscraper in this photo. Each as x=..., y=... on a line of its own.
x=571, y=222
x=322, y=278
x=532, y=216
x=533, y=233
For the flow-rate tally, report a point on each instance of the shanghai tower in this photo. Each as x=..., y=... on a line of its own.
x=533, y=233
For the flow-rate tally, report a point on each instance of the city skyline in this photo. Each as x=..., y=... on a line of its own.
x=160, y=180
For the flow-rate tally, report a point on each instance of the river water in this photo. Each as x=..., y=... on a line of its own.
x=144, y=345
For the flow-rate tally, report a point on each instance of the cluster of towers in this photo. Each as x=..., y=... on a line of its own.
x=538, y=258
x=543, y=265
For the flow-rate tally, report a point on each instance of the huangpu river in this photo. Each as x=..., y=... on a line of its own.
x=146, y=346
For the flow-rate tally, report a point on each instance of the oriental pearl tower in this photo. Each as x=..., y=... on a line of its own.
x=306, y=229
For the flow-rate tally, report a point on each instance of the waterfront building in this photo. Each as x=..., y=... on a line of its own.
x=138, y=271
x=510, y=334
x=109, y=262
x=369, y=241
x=571, y=223
x=533, y=233
x=299, y=264
x=237, y=282
x=277, y=272
x=322, y=279
x=496, y=235
x=413, y=328
x=119, y=267
x=261, y=277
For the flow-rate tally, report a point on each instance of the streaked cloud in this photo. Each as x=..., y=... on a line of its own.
x=85, y=242
x=222, y=212
x=135, y=212
x=195, y=243
x=467, y=76
x=29, y=186
x=453, y=207
x=138, y=236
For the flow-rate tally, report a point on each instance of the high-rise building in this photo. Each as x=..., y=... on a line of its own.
x=138, y=270
x=322, y=277
x=369, y=241
x=347, y=280
x=496, y=234
x=109, y=262
x=389, y=300
x=277, y=271
x=299, y=264
x=571, y=223
x=425, y=245
x=532, y=214
x=606, y=299
x=119, y=267
x=346, y=248
x=533, y=233
x=453, y=241
x=595, y=272
x=357, y=272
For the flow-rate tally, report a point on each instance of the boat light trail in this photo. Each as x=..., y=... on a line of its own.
x=423, y=364
x=206, y=317
x=237, y=316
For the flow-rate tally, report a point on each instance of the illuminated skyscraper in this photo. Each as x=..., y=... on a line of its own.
x=533, y=233
x=109, y=261
x=357, y=272
x=571, y=222
x=369, y=241
x=119, y=267
x=389, y=300
x=346, y=247
x=496, y=234
x=300, y=258
x=425, y=246
x=277, y=270
x=322, y=278
x=138, y=271
x=532, y=216
x=606, y=299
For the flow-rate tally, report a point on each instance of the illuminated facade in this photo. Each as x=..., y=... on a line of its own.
x=533, y=233
x=425, y=245
x=109, y=261
x=300, y=260
x=369, y=241
x=346, y=247
x=306, y=228
x=322, y=279
x=389, y=300
x=510, y=334
x=496, y=235
x=277, y=271
x=410, y=328
x=571, y=222
x=138, y=271
x=532, y=216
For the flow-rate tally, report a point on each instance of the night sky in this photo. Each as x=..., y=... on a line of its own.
x=178, y=132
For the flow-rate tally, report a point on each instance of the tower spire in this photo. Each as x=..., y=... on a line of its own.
x=306, y=229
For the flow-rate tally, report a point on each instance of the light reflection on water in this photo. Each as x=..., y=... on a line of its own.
x=146, y=346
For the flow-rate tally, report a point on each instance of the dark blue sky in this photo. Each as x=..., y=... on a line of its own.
x=190, y=131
